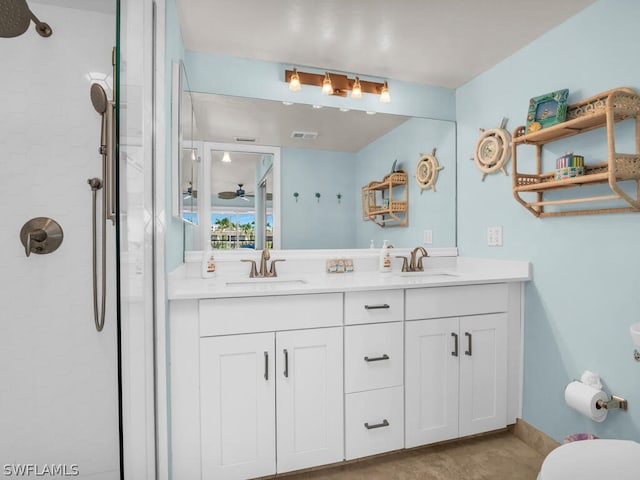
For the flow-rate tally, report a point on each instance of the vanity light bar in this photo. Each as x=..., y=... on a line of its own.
x=341, y=84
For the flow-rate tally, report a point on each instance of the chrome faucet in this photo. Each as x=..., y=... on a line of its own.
x=416, y=266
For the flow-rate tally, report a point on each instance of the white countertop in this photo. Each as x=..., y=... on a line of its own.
x=459, y=271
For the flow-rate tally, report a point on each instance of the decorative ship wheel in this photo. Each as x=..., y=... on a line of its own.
x=493, y=150
x=427, y=171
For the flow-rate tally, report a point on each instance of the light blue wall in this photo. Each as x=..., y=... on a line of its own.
x=174, y=51
x=427, y=210
x=586, y=286
x=309, y=223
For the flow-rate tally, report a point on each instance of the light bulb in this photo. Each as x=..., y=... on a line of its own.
x=356, y=91
x=384, y=93
x=294, y=81
x=327, y=88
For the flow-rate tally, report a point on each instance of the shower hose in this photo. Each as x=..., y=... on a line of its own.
x=98, y=316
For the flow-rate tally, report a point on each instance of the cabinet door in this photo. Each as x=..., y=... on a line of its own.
x=310, y=412
x=483, y=373
x=431, y=381
x=237, y=405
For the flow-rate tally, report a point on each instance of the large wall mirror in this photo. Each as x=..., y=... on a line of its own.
x=308, y=195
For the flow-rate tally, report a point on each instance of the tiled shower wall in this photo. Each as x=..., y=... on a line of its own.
x=58, y=374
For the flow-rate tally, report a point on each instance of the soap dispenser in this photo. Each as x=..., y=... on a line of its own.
x=208, y=264
x=385, y=258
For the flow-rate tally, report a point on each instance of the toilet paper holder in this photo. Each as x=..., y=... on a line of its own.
x=614, y=402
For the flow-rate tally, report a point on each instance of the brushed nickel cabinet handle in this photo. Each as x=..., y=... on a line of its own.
x=385, y=423
x=376, y=359
x=286, y=363
x=468, y=352
x=455, y=350
x=376, y=307
x=266, y=365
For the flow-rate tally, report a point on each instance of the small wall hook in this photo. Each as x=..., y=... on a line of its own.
x=296, y=195
x=339, y=196
x=318, y=196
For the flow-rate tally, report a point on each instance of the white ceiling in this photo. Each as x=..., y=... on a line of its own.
x=435, y=42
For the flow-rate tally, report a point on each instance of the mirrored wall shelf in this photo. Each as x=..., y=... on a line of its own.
x=601, y=111
x=387, y=202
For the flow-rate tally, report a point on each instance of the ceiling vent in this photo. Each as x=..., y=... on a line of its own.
x=305, y=135
x=245, y=139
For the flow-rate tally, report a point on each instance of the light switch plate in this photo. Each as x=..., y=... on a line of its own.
x=494, y=236
x=428, y=237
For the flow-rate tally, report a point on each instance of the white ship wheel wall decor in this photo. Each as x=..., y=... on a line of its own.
x=427, y=171
x=493, y=150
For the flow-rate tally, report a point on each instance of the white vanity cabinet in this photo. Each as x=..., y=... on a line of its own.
x=456, y=377
x=240, y=378
x=374, y=373
x=275, y=383
x=271, y=395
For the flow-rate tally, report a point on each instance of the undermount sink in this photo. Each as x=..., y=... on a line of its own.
x=428, y=273
x=266, y=281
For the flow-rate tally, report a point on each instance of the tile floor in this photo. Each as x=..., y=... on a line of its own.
x=499, y=456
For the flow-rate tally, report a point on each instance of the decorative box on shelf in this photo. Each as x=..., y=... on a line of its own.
x=569, y=166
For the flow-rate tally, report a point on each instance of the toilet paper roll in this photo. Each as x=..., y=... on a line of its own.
x=583, y=398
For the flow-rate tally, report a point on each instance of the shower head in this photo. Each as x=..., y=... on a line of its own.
x=15, y=17
x=99, y=98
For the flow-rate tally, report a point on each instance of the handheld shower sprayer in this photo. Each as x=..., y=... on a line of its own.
x=105, y=108
x=100, y=103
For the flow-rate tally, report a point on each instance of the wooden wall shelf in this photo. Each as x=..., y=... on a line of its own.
x=379, y=204
x=603, y=110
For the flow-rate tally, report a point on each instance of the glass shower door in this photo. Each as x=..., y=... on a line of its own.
x=59, y=376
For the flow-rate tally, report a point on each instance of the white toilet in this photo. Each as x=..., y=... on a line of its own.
x=593, y=460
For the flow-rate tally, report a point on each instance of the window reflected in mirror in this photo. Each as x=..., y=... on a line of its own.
x=241, y=206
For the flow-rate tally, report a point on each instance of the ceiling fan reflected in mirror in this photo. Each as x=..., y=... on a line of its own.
x=240, y=193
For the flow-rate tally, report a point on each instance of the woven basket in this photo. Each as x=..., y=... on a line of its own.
x=396, y=177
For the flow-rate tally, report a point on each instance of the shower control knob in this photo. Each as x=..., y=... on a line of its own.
x=41, y=235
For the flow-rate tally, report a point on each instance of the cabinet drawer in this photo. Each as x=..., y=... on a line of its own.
x=455, y=301
x=371, y=307
x=374, y=422
x=373, y=356
x=225, y=316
